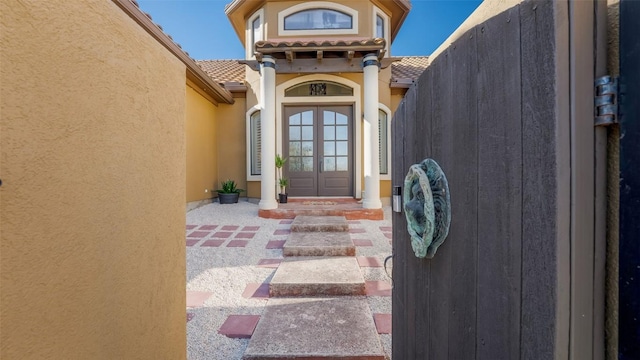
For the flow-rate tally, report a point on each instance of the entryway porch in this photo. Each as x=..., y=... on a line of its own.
x=350, y=208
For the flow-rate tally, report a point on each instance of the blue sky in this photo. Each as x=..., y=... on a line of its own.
x=203, y=30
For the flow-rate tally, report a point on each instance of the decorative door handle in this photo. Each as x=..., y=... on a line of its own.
x=427, y=207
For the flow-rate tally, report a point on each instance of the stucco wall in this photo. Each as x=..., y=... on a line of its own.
x=231, y=143
x=202, y=149
x=93, y=186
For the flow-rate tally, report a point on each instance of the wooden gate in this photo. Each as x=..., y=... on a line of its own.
x=507, y=112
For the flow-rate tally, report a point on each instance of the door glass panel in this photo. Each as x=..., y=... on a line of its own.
x=307, y=164
x=342, y=163
x=329, y=132
x=329, y=164
x=329, y=117
x=294, y=149
x=307, y=148
x=329, y=148
x=295, y=164
x=307, y=133
x=294, y=133
x=342, y=148
x=341, y=119
x=341, y=133
x=294, y=119
x=307, y=118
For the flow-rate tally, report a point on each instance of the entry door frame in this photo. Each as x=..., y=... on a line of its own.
x=322, y=177
x=355, y=101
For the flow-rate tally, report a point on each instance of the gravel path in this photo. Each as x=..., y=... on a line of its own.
x=224, y=271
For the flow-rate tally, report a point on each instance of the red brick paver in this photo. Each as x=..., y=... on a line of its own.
x=383, y=323
x=239, y=326
x=357, y=230
x=197, y=298
x=230, y=227
x=237, y=243
x=208, y=227
x=365, y=261
x=222, y=234
x=192, y=242
x=245, y=235
x=190, y=316
x=198, y=234
x=275, y=244
x=282, y=232
x=377, y=288
x=269, y=263
x=251, y=228
x=386, y=228
x=190, y=227
x=212, y=243
x=362, y=242
x=256, y=291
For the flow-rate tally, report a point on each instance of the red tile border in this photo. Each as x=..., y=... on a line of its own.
x=251, y=228
x=239, y=326
x=191, y=227
x=245, y=235
x=383, y=323
x=212, y=243
x=386, y=228
x=368, y=261
x=197, y=298
x=286, y=221
x=282, y=232
x=222, y=234
x=357, y=230
x=377, y=288
x=269, y=263
x=275, y=244
x=192, y=242
x=362, y=242
x=237, y=243
x=190, y=316
x=388, y=235
x=199, y=234
x=208, y=227
x=256, y=291
x=230, y=227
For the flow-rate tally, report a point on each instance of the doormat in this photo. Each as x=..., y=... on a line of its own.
x=319, y=202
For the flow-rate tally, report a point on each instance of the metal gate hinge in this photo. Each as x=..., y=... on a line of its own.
x=606, y=101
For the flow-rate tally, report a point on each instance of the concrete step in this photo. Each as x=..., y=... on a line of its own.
x=315, y=328
x=319, y=244
x=311, y=276
x=320, y=224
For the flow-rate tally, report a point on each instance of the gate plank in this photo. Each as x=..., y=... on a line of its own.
x=460, y=163
x=499, y=188
x=441, y=132
x=545, y=139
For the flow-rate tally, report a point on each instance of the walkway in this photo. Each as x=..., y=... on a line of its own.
x=232, y=256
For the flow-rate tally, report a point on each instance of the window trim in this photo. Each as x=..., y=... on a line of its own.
x=382, y=107
x=248, y=114
x=249, y=33
x=378, y=12
x=310, y=5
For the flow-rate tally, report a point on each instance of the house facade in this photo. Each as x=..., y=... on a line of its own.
x=318, y=86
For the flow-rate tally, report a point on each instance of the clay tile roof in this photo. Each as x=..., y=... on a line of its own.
x=223, y=71
x=410, y=67
x=230, y=71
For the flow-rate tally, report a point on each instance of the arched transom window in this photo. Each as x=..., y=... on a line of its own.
x=319, y=88
x=313, y=19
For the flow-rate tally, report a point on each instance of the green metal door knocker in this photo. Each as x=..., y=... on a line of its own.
x=427, y=207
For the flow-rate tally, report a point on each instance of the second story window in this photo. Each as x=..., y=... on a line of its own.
x=379, y=27
x=256, y=30
x=313, y=19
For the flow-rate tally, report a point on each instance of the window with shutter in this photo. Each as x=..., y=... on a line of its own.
x=383, y=140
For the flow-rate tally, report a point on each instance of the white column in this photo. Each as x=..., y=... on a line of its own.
x=371, y=147
x=268, y=133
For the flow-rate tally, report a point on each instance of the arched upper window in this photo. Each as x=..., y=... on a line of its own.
x=309, y=18
x=319, y=88
x=313, y=19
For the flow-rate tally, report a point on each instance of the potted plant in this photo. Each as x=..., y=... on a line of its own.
x=281, y=180
x=229, y=193
x=283, y=187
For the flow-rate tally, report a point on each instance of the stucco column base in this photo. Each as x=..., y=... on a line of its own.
x=370, y=65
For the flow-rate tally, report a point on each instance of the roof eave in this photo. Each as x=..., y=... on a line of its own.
x=194, y=72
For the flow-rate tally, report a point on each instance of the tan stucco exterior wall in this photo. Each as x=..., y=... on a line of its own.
x=202, y=149
x=92, y=256
x=232, y=148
